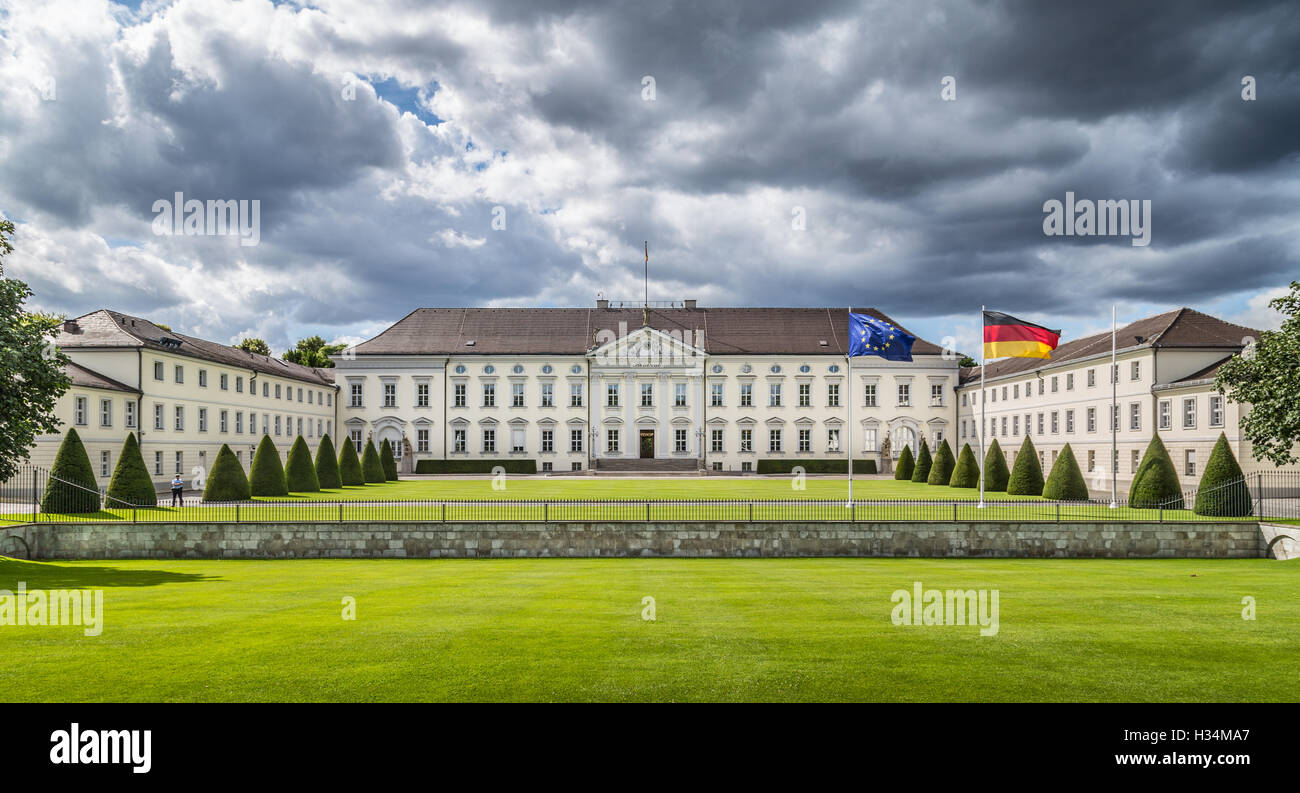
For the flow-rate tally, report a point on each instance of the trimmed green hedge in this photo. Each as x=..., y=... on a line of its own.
x=921, y=471
x=903, y=471
x=387, y=459
x=327, y=464
x=1223, y=492
x=474, y=466
x=996, y=476
x=1027, y=475
x=942, y=467
x=131, y=483
x=1156, y=484
x=371, y=468
x=226, y=480
x=831, y=466
x=71, y=487
x=967, y=472
x=350, y=474
x=1065, y=483
x=299, y=471
x=266, y=477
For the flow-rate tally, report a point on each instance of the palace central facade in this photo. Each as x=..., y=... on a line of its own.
x=710, y=388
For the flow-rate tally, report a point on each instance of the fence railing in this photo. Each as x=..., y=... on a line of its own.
x=1265, y=495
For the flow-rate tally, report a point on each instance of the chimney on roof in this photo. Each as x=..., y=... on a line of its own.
x=690, y=305
x=602, y=302
x=71, y=326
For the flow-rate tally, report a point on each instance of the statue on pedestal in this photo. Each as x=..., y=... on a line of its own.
x=886, y=465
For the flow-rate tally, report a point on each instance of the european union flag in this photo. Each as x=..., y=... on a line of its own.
x=871, y=336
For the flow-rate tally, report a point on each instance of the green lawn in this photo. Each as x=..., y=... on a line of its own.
x=366, y=503
x=552, y=629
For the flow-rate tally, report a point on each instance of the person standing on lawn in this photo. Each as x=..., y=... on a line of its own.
x=178, y=488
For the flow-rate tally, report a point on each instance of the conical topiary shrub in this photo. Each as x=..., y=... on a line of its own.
x=266, y=477
x=1155, y=485
x=1065, y=483
x=226, y=480
x=1223, y=492
x=941, y=468
x=71, y=488
x=921, y=471
x=327, y=465
x=131, y=483
x=996, y=475
x=1027, y=474
x=967, y=471
x=903, y=471
x=387, y=459
x=350, y=474
x=371, y=468
x=299, y=472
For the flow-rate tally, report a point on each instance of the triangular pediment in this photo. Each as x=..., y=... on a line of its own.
x=649, y=348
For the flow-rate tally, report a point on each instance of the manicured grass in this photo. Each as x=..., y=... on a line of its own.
x=554, y=629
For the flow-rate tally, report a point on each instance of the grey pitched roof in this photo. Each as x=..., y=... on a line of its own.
x=113, y=329
x=81, y=376
x=1182, y=327
x=573, y=331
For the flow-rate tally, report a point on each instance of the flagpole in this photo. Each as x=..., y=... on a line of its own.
x=1114, y=413
x=848, y=370
x=983, y=367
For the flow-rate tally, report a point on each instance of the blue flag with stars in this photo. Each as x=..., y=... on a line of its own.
x=871, y=336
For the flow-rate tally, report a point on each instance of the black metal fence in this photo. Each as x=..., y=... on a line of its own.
x=1266, y=495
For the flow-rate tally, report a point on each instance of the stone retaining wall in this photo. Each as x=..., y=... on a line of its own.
x=469, y=540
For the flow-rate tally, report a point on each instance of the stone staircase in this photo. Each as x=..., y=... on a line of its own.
x=619, y=465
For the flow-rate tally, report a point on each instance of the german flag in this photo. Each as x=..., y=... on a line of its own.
x=1008, y=337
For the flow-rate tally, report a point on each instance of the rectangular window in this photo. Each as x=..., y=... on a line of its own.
x=421, y=441
x=747, y=440
x=266, y=390
x=1055, y=389
x=612, y=441
x=904, y=395
x=870, y=396
x=1056, y=425
x=1189, y=413
x=1069, y=382
x=1069, y=421
x=298, y=426
x=203, y=419
x=1015, y=424
x=548, y=441
x=103, y=464
x=458, y=395
x=679, y=441
x=1166, y=414
x=575, y=441
x=611, y=395
x=105, y=412
x=774, y=395
x=458, y=441
x=870, y=437
x=1040, y=423
x=1004, y=426
x=1216, y=410
x=575, y=395
x=203, y=378
x=936, y=395
x=1135, y=415
x=421, y=395
x=1092, y=378
x=715, y=441
x=833, y=439
x=1189, y=463
x=239, y=422
x=390, y=395
x=180, y=418
x=1134, y=460
x=355, y=435
x=266, y=424
x=158, y=374
x=548, y=395
x=1092, y=460
x=79, y=411
x=223, y=381
x=300, y=395
x=679, y=395
x=774, y=440
x=1092, y=419
x=277, y=425
x=516, y=395
x=805, y=395
x=180, y=462
x=489, y=395
x=1042, y=384
x=130, y=414
x=1135, y=370
x=489, y=441
x=805, y=440
x=516, y=439
x=715, y=395
x=279, y=391
x=832, y=395
x=357, y=392
x=647, y=395
x=157, y=463
x=239, y=385
x=746, y=395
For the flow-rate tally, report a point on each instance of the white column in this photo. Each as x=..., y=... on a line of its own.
x=632, y=444
x=663, y=441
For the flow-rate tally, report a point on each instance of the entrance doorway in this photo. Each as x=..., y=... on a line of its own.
x=647, y=444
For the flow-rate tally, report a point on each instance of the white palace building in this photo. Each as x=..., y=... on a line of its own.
x=675, y=387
